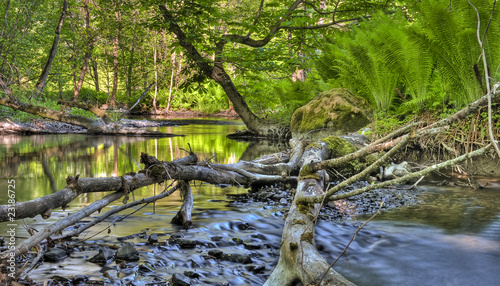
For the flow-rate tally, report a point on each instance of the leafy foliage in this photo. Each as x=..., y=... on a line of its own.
x=431, y=61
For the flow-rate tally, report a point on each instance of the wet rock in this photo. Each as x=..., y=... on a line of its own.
x=186, y=243
x=77, y=279
x=111, y=274
x=176, y=236
x=283, y=201
x=180, y=280
x=153, y=238
x=256, y=268
x=55, y=254
x=236, y=257
x=127, y=252
x=192, y=274
x=216, y=238
x=95, y=282
x=258, y=236
x=60, y=279
x=105, y=254
x=146, y=267
x=215, y=253
x=193, y=264
x=237, y=240
x=253, y=245
x=240, y=225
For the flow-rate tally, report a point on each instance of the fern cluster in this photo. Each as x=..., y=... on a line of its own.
x=426, y=57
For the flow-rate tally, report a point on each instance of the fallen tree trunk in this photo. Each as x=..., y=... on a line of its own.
x=299, y=259
x=76, y=186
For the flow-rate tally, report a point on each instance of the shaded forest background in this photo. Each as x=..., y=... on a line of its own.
x=404, y=57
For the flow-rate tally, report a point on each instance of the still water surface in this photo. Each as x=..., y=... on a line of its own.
x=453, y=238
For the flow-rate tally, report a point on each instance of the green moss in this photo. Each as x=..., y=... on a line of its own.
x=293, y=246
x=338, y=146
x=307, y=236
x=303, y=209
x=332, y=109
x=298, y=221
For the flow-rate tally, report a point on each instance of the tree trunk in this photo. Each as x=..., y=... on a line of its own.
x=171, y=82
x=114, y=92
x=42, y=80
x=88, y=51
x=93, y=62
x=257, y=126
x=129, y=73
x=112, y=100
x=156, y=75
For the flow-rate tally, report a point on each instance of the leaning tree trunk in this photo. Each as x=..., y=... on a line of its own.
x=257, y=126
x=42, y=80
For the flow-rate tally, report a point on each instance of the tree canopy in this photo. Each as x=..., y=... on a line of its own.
x=266, y=57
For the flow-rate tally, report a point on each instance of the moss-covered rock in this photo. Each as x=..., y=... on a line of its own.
x=335, y=112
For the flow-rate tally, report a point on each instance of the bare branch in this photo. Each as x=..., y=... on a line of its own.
x=487, y=78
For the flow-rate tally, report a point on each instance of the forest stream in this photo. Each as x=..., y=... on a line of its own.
x=452, y=237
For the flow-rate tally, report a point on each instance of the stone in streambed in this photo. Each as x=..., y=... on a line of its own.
x=238, y=258
x=215, y=253
x=186, y=243
x=55, y=254
x=153, y=238
x=179, y=279
x=105, y=254
x=127, y=252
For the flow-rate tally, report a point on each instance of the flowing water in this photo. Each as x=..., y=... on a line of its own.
x=452, y=238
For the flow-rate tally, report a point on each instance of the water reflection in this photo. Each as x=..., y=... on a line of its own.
x=40, y=163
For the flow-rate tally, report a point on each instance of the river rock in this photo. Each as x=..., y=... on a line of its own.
x=153, y=238
x=179, y=279
x=127, y=252
x=215, y=253
x=55, y=254
x=333, y=112
x=186, y=243
x=105, y=254
x=111, y=274
x=395, y=171
x=236, y=257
